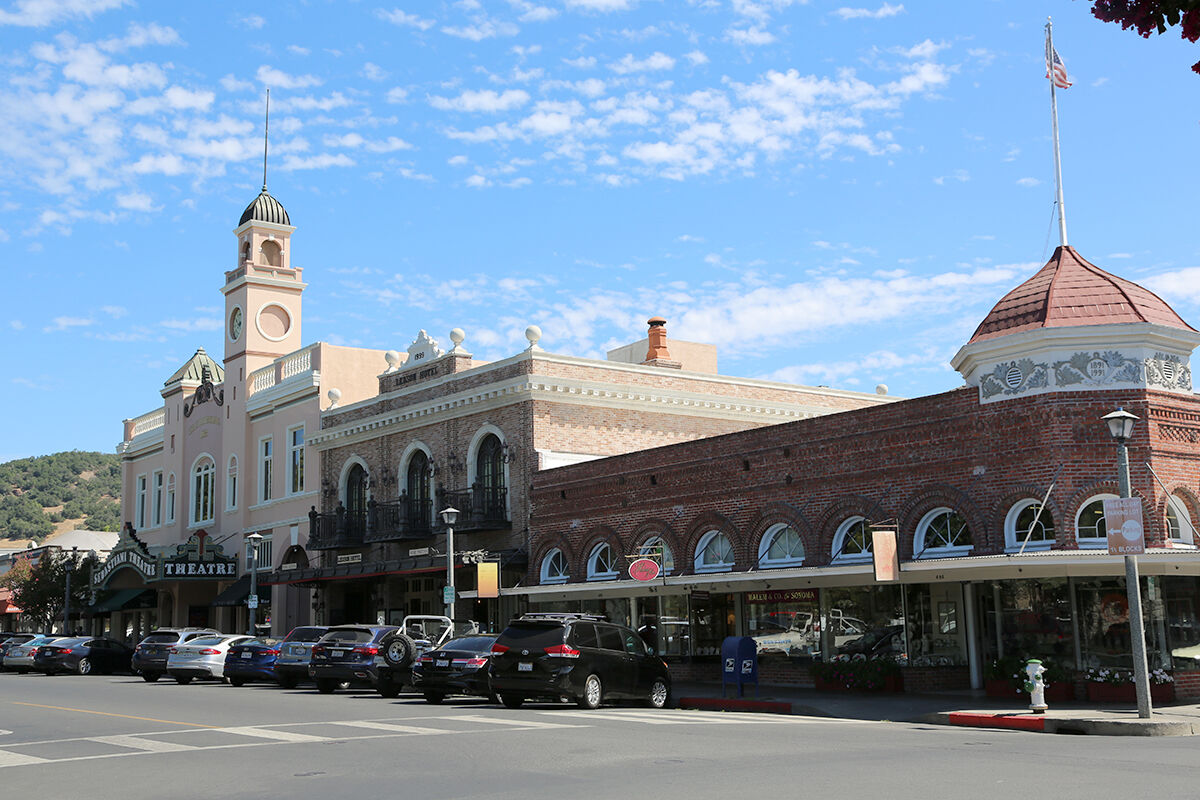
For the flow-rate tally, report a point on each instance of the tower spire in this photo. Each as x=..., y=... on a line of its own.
x=1056, y=72
x=266, y=132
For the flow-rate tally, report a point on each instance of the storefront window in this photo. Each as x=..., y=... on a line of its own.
x=867, y=621
x=783, y=622
x=1104, y=624
x=936, y=627
x=663, y=624
x=712, y=620
x=1180, y=599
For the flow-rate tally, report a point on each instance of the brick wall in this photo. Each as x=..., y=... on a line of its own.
x=1187, y=684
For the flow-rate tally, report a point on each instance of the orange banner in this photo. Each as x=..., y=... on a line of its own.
x=487, y=579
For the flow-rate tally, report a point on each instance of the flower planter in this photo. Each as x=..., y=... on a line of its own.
x=1061, y=692
x=1125, y=693
x=999, y=687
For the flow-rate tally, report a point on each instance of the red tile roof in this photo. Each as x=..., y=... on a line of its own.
x=1071, y=291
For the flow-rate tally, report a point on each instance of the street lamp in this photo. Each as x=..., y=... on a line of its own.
x=1120, y=425
x=252, y=557
x=449, y=516
x=69, y=567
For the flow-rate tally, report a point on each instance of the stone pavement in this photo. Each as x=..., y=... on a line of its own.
x=967, y=708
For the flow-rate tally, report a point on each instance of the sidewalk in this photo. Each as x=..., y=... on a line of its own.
x=968, y=709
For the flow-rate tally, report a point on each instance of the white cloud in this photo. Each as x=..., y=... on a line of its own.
x=16, y=324
x=40, y=13
x=140, y=36
x=696, y=58
x=1028, y=182
x=1176, y=286
x=116, y=312
x=67, y=323
x=231, y=84
x=486, y=100
x=373, y=72
x=398, y=17
x=251, y=21
x=322, y=161
x=583, y=62
x=397, y=95
x=534, y=13
x=477, y=181
x=197, y=325
x=136, y=201
x=884, y=11
x=960, y=175
x=655, y=61
x=601, y=6
x=297, y=50
x=749, y=37
x=278, y=79
x=482, y=28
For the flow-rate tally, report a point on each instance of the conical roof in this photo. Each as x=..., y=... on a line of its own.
x=265, y=208
x=1070, y=291
x=193, y=370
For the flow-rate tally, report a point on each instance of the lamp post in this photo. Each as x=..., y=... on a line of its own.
x=69, y=567
x=252, y=600
x=449, y=516
x=1120, y=425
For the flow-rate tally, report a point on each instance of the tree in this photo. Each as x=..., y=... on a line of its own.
x=1152, y=16
x=39, y=589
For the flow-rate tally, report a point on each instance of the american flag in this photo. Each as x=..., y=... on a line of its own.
x=1056, y=70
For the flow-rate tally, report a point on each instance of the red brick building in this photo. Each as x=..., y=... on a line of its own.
x=766, y=532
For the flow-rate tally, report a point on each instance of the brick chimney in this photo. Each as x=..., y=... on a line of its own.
x=657, y=354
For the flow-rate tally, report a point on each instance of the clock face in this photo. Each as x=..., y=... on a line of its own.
x=235, y=324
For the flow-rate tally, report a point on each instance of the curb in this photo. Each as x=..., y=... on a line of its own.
x=1022, y=721
x=735, y=704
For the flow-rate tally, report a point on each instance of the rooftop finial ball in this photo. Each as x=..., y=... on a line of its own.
x=457, y=336
x=533, y=333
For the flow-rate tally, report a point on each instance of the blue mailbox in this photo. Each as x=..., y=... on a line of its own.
x=739, y=663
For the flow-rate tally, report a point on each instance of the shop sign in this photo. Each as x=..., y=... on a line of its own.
x=1123, y=521
x=350, y=558
x=885, y=554
x=132, y=558
x=195, y=559
x=782, y=596
x=644, y=569
x=418, y=551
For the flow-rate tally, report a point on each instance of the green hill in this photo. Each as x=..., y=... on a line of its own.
x=38, y=495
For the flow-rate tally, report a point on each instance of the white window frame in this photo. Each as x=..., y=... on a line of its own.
x=1183, y=536
x=922, y=552
x=595, y=563
x=156, y=498
x=649, y=550
x=141, y=493
x=231, y=483
x=839, y=542
x=1013, y=538
x=1092, y=541
x=171, y=489
x=197, y=488
x=702, y=547
x=266, y=467
x=295, y=453
x=768, y=539
x=561, y=575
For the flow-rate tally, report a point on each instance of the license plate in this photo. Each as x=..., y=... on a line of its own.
x=339, y=652
x=524, y=666
x=247, y=655
x=443, y=663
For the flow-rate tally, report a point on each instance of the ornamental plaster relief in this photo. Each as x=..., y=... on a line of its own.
x=1097, y=369
x=1012, y=378
x=1084, y=369
x=1168, y=372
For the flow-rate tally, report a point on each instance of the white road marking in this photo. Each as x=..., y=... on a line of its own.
x=139, y=743
x=516, y=723
x=389, y=727
x=268, y=733
x=8, y=759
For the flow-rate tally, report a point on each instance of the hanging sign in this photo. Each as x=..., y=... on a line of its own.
x=1123, y=521
x=885, y=555
x=644, y=569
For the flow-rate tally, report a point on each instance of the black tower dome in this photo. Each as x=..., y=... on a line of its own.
x=265, y=208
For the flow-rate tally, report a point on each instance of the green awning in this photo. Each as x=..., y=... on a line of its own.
x=126, y=598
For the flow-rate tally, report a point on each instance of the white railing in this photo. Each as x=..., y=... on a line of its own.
x=296, y=363
x=262, y=379
x=288, y=366
x=150, y=421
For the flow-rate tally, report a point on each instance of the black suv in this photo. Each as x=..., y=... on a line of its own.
x=576, y=657
x=346, y=655
x=150, y=656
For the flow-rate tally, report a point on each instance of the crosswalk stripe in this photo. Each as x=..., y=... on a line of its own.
x=10, y=759
x=269, y=733
x=387, y=726
x=516, y=723
x=138, y=743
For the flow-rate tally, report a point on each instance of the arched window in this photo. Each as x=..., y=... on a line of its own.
x=1028, y=518
x=231, y=484
x=714, y=553
x=1090, y=530
x=602, y=563
x=942, y=532
x=271, y=253
x=852, y=542
x=246, y=250
x=656, y=547
x=489, y=475
x=554, y=567
x=780, y=547
x=204, y=490
x=420, y=492
x=1179, y=521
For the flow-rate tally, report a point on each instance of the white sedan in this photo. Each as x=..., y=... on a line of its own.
x=20, y=656
x=201, y=658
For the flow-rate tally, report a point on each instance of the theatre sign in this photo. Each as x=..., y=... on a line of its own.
x=197, y=560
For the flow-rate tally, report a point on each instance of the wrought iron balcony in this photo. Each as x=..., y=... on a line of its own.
x=480, y=508
x=398, y=520
x=342, y=528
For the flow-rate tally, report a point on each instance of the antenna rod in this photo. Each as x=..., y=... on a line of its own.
x=267, y=126
x=1062, y=213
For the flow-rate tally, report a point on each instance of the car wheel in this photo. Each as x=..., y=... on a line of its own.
x=183, y=680
x=150, y=677
x=434, y=698
x=389, y=688
x=22, y=672
x=398, y=650
x=592, y=693
x=85, y=666
x=237, y=681
x=289, y=681
x=512, y=700
x=326, y=686
x=660, y=693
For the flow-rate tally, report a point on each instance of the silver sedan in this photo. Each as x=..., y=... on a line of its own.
x=19, y=657
x=202, y=658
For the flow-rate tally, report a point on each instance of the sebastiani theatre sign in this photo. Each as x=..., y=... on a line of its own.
x=197, y=559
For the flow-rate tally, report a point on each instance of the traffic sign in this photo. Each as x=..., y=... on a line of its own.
x=252, y=601
x=447, y=594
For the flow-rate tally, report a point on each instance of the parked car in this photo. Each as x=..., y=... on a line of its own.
x=295, y=655
x=12, y=641
x=346, y=654
x=460, y=666
x=202, y=657
x=575, y=657
x=20, y=656
x=417, y=635
x=252, y=660
x=150, y=656
x=83, y=655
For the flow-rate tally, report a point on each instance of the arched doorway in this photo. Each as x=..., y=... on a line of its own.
x=356, y=499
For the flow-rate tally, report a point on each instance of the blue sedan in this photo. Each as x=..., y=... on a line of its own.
x=252, y=660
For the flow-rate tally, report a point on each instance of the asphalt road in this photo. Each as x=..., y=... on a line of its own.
x=118, y=737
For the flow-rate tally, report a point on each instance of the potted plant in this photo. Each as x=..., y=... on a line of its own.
x=1060, y=682
x=1106, y=685
x=873, y=675
x=1004, y=677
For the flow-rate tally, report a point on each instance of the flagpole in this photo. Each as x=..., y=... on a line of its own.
x=1062, y=213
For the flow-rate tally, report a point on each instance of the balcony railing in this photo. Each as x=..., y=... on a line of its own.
x=342, y=528
x=396, y=520
x=480, y=508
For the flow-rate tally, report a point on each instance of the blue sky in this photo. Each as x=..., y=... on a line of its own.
x=831, y=192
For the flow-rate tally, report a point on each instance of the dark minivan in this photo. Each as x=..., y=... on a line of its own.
x=576, y=657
